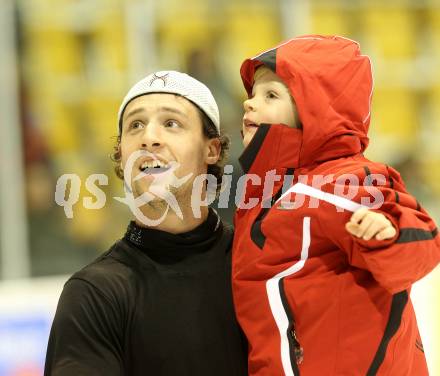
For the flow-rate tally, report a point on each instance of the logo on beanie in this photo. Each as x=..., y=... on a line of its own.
x=162, y=78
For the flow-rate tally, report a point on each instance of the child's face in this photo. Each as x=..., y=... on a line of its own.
x=270, y=103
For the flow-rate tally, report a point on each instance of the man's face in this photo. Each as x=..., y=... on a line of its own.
x=270, y=103
x=169, y=128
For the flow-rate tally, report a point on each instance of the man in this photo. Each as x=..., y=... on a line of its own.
x=159, y=301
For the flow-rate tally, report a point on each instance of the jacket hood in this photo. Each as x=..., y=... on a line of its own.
x=331, y=83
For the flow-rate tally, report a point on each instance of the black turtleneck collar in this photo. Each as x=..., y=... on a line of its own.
x=163, y=246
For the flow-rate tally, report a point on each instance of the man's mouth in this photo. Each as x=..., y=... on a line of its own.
x=154, y=167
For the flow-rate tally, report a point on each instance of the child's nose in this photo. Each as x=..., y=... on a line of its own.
x=249, y=105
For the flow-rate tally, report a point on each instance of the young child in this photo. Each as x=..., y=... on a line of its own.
x=311, y=298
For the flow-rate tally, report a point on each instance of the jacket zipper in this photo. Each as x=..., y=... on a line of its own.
x=295, y=348
x=298, y=351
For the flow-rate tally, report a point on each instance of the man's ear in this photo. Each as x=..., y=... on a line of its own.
x=213, y=149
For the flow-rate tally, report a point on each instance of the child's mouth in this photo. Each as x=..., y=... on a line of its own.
x=249, y=124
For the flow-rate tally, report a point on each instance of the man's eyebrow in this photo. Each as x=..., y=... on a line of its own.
x=133, y=112
x=173, y=110
x=161, y=109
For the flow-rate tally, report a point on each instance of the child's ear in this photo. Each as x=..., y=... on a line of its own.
x=213, y=149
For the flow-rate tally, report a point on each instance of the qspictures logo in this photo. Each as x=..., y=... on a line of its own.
x=151, y=181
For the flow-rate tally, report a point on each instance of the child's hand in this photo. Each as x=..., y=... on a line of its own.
x=367, y=224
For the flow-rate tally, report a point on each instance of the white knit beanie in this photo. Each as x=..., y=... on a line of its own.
x=174, y=82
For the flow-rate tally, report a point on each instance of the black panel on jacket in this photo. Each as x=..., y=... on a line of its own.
x=269, y=59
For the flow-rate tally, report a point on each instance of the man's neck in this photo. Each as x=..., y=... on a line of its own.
x=171, y=222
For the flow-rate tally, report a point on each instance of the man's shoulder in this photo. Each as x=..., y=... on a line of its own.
x=111, y=272
x=103, y=264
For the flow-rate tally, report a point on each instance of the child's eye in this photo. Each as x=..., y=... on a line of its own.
x=171, y=124
x=271, y=95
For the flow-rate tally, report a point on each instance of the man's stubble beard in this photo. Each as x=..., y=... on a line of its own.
x=182, y=195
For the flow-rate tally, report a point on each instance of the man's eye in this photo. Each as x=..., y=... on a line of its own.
x=136, y=125
x=172, y=124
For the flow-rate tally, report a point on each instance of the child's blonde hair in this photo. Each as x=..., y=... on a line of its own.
x=260, y=71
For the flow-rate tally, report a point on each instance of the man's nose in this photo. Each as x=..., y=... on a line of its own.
x=151, y=136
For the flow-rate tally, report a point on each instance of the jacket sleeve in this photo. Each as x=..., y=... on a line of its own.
x=85, y=338
x=395, y=263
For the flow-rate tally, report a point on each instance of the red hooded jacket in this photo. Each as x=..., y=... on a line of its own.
x=312, y=299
